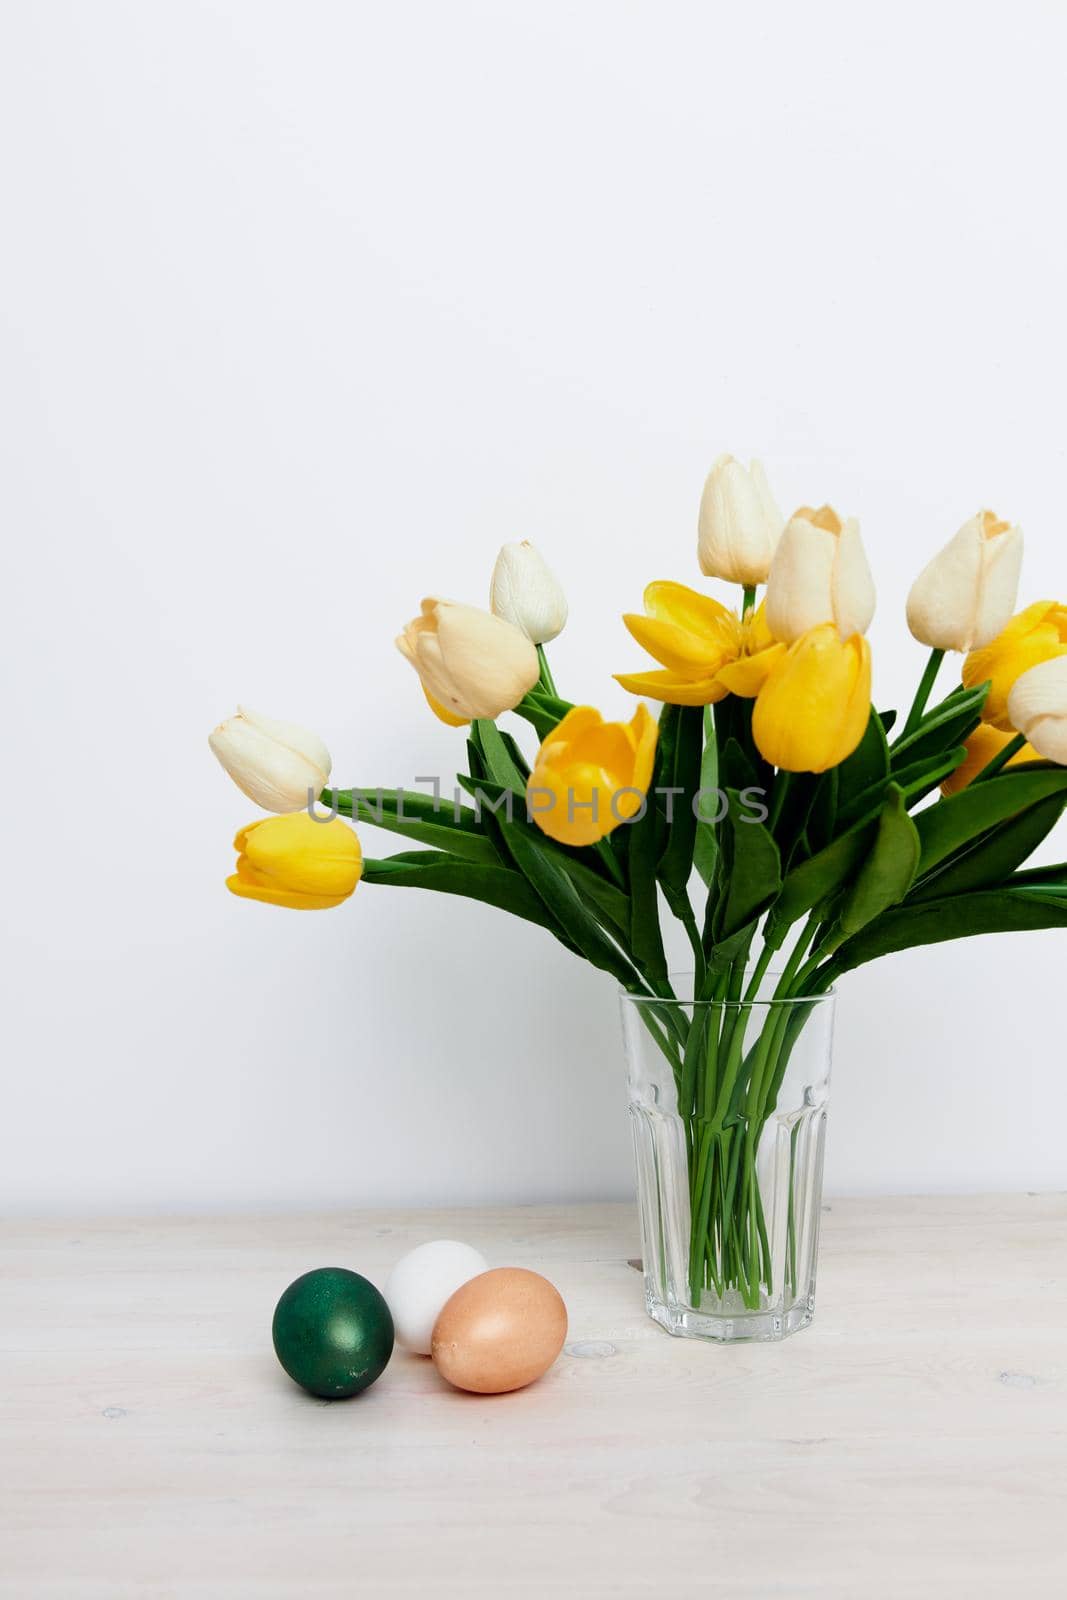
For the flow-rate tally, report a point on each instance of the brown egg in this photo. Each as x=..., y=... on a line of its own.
x=500, y=1331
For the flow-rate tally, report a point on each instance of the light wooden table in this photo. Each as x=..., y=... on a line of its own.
x=913, y=1442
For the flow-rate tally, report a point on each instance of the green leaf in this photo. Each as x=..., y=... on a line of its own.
x=583, y=866
x=543, y=711
x=559, y=895
x=499, y=763
x=519, y=761
x=418, y=817
x=868, y=764
x=947, y=826
x=889, y=870
x=1041, y=877
x=752, y=866
x=922, y=777
x=685, y=755
x=705, y=845
x=993, y=856
x=735, y=769
x=862, y=776
x=820, y=877
x=956, y=917
x=946, y=725
x=530, y=852
x=820, y=824
x=434, y=869
x=646, y=940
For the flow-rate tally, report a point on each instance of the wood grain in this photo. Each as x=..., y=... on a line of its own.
x=912, y=1443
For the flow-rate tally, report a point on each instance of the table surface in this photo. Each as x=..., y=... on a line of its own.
x=912, y=1442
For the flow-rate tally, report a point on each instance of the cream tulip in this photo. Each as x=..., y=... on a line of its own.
x=527, y=594
x=739, y=524
x=1037, y=706
x=819, y=574
x=471, y=663
x=963, y=598
x=274, y=763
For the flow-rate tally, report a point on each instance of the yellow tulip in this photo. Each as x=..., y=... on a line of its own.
x=985, y=743
x=706, y=649
x=591, y=775
x=296, y=861
x=814, y=707
x=1037, y=634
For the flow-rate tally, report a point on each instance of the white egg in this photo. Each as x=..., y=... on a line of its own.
x=420, y=1283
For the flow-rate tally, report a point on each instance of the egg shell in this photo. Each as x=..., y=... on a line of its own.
x=421, y=1282
x=500, y=1331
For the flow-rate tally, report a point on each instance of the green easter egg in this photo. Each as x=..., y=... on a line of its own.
x=333, y=1332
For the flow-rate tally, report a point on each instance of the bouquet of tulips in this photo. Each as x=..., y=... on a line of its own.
x=810, y=823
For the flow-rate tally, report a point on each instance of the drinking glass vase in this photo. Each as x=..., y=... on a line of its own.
x=728, y=1106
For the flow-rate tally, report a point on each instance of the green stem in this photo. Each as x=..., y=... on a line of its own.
x=759, y=972
x=546, y=673
x=749, y=599
x=611, y=861
x=782, y=780
x=922, y=693
x=689, y=922
x=1001, y=759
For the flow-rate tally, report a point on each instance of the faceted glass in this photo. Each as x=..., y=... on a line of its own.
x=728, y=1105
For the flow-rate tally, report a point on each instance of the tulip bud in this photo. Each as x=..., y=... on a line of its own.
x=300, y=861
x=527, y=594
x=591, y=775
x=962, y=599
x=819, y=574
x=1037, y=634
x=471, y=663
x=814, y=707
x=739, y=523
x=1037, y=706
x=274, y=763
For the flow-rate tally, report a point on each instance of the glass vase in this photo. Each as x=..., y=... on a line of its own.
x=728, y=1106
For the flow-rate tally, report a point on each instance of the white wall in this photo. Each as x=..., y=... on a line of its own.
x=305, y=309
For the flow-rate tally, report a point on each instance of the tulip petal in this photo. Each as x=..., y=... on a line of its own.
x=672, y=689
x=443, y=713
x=747, y=675
x=526, y=593
x=738, y=524
x=695, y=612
x=682, y=651
x=274, y=763
x=1037, y=706
x=595, y=773
x=1000, y=585
x=300, y=855
x=982, y=745
x=275, y=896
x=644, y=726
x=1036, y=634
x=800, y=583
x=853, y=585
x=473, y=663
x=290, y=734
x=814, y=707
